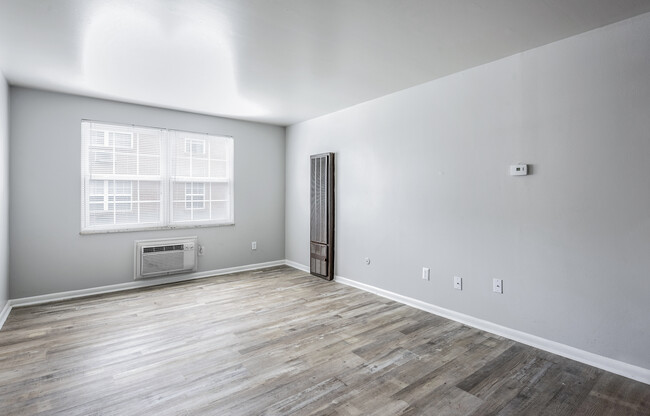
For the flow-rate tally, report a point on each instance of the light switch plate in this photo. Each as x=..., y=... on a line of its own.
x=497, y=285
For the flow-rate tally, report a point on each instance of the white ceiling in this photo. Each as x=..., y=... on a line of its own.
x=275, y=61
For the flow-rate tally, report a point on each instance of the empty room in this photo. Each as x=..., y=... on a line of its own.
x=315, y=207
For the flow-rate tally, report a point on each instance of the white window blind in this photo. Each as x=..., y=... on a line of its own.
x=200, y=178
x=140, y=177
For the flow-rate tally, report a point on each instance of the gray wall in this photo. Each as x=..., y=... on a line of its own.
x=422, y=181
x=4, y=191
x=47, y=253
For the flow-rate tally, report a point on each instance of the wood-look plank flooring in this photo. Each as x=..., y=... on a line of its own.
x=281, y=342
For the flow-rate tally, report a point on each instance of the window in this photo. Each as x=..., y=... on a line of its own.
x=142, y=178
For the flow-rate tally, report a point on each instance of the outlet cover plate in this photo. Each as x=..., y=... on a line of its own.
x=426, y=273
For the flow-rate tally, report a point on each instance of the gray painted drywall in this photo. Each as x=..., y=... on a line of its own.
x=4, y=192
x=48, y=254
x=422, y=181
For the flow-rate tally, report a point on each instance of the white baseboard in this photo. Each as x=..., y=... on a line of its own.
x=52, y=297
x=297, y=265
x=608, y=364
x=6, y=308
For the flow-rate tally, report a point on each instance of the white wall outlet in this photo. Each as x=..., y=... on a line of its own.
x=518, y=170
x=426, y=273
x=254, y=245
x=367, y=261
x=458, y=283
x=497, y=285
x=200, y=250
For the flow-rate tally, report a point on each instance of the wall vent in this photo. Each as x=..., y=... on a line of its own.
x=165, y=257
x=321, y=257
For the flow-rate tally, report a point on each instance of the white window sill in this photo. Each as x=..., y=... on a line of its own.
x=158, y=228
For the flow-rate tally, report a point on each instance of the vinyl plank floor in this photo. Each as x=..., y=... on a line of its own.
x=281, y=342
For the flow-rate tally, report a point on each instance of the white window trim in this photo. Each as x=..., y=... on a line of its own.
x=166, y=181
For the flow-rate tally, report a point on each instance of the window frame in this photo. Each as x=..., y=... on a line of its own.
x=166, y=180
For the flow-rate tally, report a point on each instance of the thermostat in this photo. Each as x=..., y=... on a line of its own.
x=518, y=170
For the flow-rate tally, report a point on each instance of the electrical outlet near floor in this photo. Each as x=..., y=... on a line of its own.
x=458, y=283
x=254, y=245
x=497, y=285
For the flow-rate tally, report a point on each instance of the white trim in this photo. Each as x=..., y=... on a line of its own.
x=176, y=226
x=608, y=364
x=297, y=265
x=35, y=300
x=4, y=314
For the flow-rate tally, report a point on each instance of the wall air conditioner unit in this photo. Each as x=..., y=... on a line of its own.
x=165, y=257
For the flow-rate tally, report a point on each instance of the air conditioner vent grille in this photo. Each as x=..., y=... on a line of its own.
x=162, y=248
